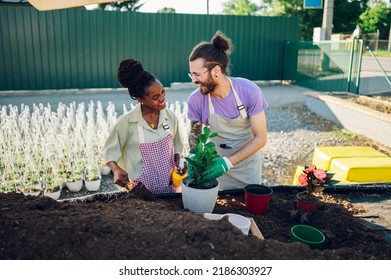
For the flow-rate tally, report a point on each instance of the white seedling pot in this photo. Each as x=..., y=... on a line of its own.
x=104, y=170
x=55, y=195
x=92, y=186
x=75, y=186
x=239, y=221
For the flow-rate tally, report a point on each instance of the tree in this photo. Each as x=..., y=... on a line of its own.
x=377, y=17
x=129, y=5
x=309, y=18
x=167, y=10
x=240, y=7
x=346, y=14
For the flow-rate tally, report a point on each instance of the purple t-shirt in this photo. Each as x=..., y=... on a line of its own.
x=249, y=93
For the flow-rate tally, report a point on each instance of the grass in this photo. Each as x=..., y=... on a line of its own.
x=379, y=53
x=345, y=134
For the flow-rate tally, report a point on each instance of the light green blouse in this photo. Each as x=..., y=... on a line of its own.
x=122, y=145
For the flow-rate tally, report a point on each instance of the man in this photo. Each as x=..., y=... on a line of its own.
x=234, y=108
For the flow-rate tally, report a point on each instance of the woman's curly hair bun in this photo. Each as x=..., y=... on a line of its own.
x=130, y=72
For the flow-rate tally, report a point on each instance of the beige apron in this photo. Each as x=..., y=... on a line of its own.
x=233, y=134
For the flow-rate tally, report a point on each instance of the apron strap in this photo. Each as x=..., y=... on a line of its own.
x=241, y=108
x=211, y=108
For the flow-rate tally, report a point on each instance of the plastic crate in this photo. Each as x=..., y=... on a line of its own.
x=299, y=170
x=324, y=155
x=362, y=169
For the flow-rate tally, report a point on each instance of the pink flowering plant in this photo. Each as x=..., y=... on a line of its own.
x=315, y=180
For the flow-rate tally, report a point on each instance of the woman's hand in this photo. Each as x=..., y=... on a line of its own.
x=121, y=177
x=181, y=166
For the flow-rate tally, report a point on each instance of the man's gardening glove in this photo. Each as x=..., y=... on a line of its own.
x=219, y=168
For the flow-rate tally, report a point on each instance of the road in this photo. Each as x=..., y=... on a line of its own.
x=369, y=64
x=373, y=79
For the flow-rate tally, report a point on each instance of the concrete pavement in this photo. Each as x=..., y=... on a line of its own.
x=276, y=93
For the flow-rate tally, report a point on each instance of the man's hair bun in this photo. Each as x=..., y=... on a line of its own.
x=222, y=42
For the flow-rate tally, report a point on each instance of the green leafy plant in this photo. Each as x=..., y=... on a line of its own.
x=76, y=172
x=315, y=180
x=32, y=185
x=92, y=173
x=202, y=156
x=53, y=184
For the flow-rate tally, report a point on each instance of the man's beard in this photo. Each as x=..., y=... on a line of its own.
x=208, y=86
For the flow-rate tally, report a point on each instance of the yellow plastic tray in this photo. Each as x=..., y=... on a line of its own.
x=362, y=169
x=299, y=169
x=324, y=155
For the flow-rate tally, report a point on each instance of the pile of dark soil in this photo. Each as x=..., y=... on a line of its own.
x=128, y=227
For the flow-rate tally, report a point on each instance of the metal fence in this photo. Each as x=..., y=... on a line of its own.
x=76, y=48
x=380, y=45
x=329, y=65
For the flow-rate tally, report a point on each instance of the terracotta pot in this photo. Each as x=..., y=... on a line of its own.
x=306, y=203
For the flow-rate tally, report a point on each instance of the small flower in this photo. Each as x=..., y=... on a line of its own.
x=320, y=174
x=303, y=180
x=309, y=169
x=314, y=179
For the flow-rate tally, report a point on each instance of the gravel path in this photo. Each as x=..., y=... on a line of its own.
x=293, y=133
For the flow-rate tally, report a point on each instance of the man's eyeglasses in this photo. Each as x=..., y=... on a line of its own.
x=196, y=75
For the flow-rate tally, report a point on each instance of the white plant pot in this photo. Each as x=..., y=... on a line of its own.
x=55, y=195
x=75, y=186
x=199, y=201
x=35, y=191
x=92, y=186
x=32, y=193
x=104, y=170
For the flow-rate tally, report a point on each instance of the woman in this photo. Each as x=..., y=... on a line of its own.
x=145, y=144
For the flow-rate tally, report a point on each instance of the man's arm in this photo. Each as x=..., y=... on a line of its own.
x=258, y=127
x=195, y=130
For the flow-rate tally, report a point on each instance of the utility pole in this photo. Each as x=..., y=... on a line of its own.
x=207, y=7
x=327, y=24
x=389, y=39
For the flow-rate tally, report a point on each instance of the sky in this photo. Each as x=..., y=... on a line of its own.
x=183, y=6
